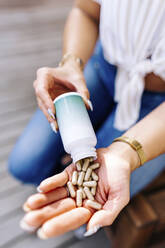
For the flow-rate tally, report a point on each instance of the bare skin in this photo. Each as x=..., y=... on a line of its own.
x=117, y=161
x=110, y=194
x=51, y=82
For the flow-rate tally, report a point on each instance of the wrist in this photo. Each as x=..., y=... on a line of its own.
x=127, y=153
x=72, y=60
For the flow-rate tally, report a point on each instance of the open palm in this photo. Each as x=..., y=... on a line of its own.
x=55, y=213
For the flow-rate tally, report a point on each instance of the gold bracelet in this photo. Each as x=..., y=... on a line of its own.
x=68, y=56
x=135, y=145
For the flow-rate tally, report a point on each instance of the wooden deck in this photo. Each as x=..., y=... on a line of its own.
x=30, y=34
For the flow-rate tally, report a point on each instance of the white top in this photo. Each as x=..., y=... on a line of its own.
x=131, y=31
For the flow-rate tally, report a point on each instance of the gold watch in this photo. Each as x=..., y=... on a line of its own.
x=68, y=56
x=135, y=145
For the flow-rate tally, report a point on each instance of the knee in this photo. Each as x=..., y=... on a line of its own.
x=21, y=166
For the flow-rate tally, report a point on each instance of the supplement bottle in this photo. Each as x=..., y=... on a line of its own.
x=75, y=127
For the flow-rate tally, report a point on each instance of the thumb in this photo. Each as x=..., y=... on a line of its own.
x=108, y=214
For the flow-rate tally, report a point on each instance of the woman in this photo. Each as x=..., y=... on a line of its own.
x=125, y=79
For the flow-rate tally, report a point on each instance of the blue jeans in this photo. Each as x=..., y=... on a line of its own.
x=38, y=152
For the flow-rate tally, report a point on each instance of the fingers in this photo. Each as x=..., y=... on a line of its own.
x=110, y=211
x=83, y=90
x=36, y=218
x=42, y=85
x=52, y=120
x=40, y=200
x=53, y=182
x=64, y=223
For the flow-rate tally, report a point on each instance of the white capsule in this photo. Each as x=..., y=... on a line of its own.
x=94, y=166
x=88, y=174
x=74, y=177
x=88, y=193
x=81, y=178
x=86, y=164
x=95, y=176
x=93, y=190
x=79, y=197
x=79, y=173
x=78, y=165
x=83, y=192
x=71, y=189
x=90, y=184
x=91, y=159
x=94, y=204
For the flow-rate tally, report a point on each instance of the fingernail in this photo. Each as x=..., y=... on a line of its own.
x=51, y=113
x=53, y=127
x=90, y=105
x=26, y=208
x=41, y=234
x=26, y=227
x=92, y=231
x=39, y=190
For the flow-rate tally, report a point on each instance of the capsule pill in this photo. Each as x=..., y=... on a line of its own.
x=85, y=165
x=88, y=193
x=78, y=165
x=91, y=159
x=94, y=166
x=83, y=192
x=71, y=189
x=88, y=174
x=74, y=177
x=79, y=197
x=93, y=191
x=95, y=176
x=94, y=204
x=90, y=184
x=81, y=178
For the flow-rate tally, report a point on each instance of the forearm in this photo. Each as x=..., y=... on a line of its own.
x=150, y=132
x=81, y=31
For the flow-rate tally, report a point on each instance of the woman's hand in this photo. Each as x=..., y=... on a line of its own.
x=55, y=213
x=52, y=82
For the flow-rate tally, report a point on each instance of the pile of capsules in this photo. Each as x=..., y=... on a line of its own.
x=84, y=183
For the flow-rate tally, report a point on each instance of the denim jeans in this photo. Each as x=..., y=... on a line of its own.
x=38, y=151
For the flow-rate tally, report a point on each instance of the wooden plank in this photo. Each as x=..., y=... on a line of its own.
x=16, y=123
x=15, y=201
x=10, y=137
x=22, y=116
x=41, y=16
x=12, y=236
x=157, y=200
x=32, y=46
x=97, y=240
x=8, y=185
x=6, y=4
x=16, y=110
x=141, y=212
x=10, y=229
x=32, y=62
x=32, y=241
x=3, y=166
x=5, y=151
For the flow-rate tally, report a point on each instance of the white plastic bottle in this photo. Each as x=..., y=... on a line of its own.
x=75, y=127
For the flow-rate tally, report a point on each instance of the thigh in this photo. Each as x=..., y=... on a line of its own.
x=100, y=96
x=107, y=133
x=37, y=152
